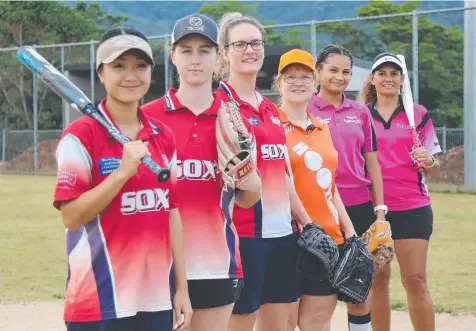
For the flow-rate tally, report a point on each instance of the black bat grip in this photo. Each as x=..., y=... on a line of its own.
x=163, y=174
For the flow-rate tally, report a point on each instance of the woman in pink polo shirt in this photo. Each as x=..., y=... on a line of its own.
x=406, y=194
x=358, y=175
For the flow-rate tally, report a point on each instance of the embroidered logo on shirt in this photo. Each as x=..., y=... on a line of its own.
x=352, y=119
x=66, y=180
x=320, y=120
x=288, y=128
x=275, y=120
x=108, y=165
x=403, y=126
x=253, y=120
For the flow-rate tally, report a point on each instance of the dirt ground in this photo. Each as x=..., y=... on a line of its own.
x=47, y=316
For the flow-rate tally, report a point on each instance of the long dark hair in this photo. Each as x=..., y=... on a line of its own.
x=329, y=50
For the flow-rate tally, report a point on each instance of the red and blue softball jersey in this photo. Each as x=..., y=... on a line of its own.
x=353, y=135
x=119, y=263
x=271, y=216
x=206, y=208
x=404, y=186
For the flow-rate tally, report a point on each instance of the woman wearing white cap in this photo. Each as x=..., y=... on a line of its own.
x=406, y=194
x=123, y=226
x=212, y=255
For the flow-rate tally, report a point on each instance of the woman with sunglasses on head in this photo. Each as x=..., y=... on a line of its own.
x=406, y=195
x=268, y=235
x=313, y=160
x=212, y=254
x=358, y=176
x=123, y=225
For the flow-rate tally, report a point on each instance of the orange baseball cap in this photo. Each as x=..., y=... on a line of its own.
x=296, y=56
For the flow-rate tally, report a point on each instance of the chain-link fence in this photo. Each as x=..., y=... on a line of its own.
x=434, y=55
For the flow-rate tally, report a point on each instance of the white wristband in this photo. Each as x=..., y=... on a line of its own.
x=381, y=207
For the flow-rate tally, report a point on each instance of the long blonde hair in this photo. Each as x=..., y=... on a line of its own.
x=227, y=22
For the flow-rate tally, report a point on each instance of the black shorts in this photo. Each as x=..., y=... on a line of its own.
x=405, y=224
x=212, y=293
x=314, y=285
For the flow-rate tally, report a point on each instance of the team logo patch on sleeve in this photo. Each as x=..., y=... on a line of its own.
x=108, y=165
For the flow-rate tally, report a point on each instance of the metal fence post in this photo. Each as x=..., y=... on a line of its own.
x=469, y=98
x=415, y=56
x=92, y=72
x=443, y=138
x=4, y=145
x=35, y=124
x=313, y=41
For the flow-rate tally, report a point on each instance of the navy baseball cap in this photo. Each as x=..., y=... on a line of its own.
x=195, y=24
x=386, y=58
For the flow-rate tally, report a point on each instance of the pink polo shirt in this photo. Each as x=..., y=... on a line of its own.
x=404, y=186
x=353, y=135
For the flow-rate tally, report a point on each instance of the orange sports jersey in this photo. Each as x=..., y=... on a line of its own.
x=313, y=160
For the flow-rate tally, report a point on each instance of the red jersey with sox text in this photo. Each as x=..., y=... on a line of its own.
x=120, y=262
x=271, y=216
x=404, y=186
x=210, y=239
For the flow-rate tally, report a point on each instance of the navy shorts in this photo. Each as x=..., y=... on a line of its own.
x=269, y=267
x=405, y=224
x=212, y=293
x=143, y=321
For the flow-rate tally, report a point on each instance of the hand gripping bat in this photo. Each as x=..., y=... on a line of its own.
x=407, y=98
x=70, y=93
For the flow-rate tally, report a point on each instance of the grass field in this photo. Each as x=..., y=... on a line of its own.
x=33, y=258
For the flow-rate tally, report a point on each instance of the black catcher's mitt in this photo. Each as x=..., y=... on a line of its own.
x=354, y=273
x=323, y=248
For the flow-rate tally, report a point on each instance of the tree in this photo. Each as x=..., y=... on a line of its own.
x=440, y=51
x=273, y=37
x=29, y=23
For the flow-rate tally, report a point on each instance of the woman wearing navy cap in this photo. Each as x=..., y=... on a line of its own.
x=212, y=255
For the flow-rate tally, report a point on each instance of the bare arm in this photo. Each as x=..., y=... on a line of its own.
x=247, y=199
x=373, y=167
x=297, y=209
x=344, y=219
x=176, y=240
x=435, y=168
x=82, y=210
x=87, y=206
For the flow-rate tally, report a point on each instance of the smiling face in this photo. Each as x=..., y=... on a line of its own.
x=245, y=60
x=387, y=80
x=195, y=58
x=335, y=73
x=126, y=79
x=297, y=84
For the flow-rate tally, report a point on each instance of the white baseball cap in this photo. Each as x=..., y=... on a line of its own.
x=114, y=47
x=386, y=58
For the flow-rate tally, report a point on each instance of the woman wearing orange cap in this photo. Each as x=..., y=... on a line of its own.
x=313, y=161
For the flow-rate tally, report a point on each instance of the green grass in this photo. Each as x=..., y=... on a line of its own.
x=33, y=255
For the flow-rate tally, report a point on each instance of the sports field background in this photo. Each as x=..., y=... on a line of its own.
x=33, y=255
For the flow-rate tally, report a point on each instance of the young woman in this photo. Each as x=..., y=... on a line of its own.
x=212, y=254
x=313, y=160
x=123, y=226
x=406, y=195
x=267, y=236
x=358, y=176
